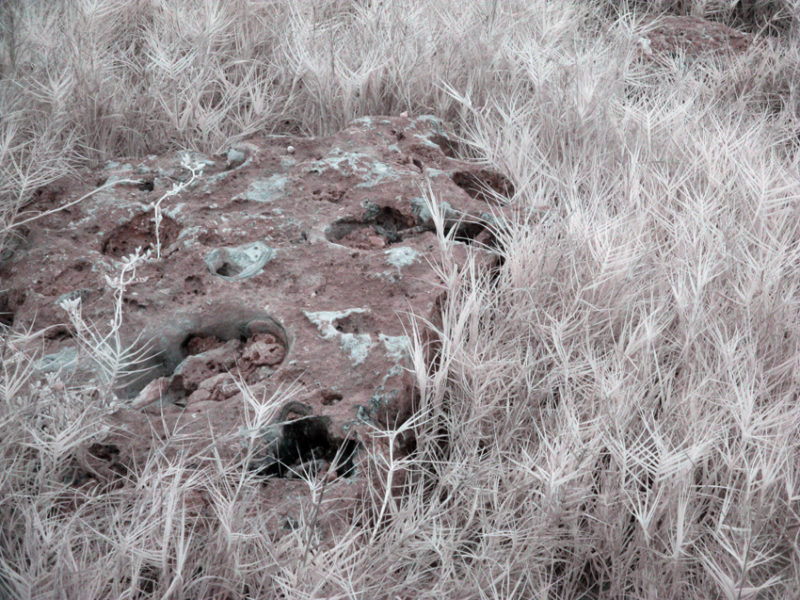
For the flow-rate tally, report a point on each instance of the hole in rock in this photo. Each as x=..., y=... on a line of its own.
x=478, y=183
x=241, y=262
x=381, y=226
x=303, y=442
x=198, y=343
x=189, y=354
x=12, y=241
x=355, y=322
x=6, y=309
x=448, y=146
x=466, y=232
x=140, y=232
x=133, y=303
x=228, y=269
x=58, y=333
x=146, y=185
x=104, y=451
x=194, y=285
x=101, y=462
x=333, y=195
x=330, y=397
x=424, y=152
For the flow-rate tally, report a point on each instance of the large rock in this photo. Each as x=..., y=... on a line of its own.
x=693, y=36
x=291, y=264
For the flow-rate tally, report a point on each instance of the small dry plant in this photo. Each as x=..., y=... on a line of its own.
x=118, y=362
x=196, y=170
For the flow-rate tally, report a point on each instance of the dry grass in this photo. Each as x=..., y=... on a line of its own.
x=613, y=414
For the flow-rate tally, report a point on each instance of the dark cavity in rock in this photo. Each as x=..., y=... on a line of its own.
x=479, y=184
x=140, y=232
x=301, y=444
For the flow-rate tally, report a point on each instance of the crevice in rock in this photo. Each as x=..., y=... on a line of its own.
x=480, y=183
x=448, y=146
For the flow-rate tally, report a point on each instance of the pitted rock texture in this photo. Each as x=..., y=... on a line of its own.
x=288, y=264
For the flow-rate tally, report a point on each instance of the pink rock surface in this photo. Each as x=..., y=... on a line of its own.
x=694, y=36
x=278, y=269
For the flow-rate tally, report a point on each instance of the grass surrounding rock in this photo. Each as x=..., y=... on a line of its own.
x=611, y=413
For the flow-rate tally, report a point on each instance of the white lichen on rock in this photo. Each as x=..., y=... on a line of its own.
x=397, y=346
x=356, y=345
x=402, y=256
x=267, y=190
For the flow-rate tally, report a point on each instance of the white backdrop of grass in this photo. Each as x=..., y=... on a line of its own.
x=615, y=414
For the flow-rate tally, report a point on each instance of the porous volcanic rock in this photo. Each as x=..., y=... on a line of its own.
x=289, y=264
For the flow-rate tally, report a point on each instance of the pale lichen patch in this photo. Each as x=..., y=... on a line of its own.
x=356, y=345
